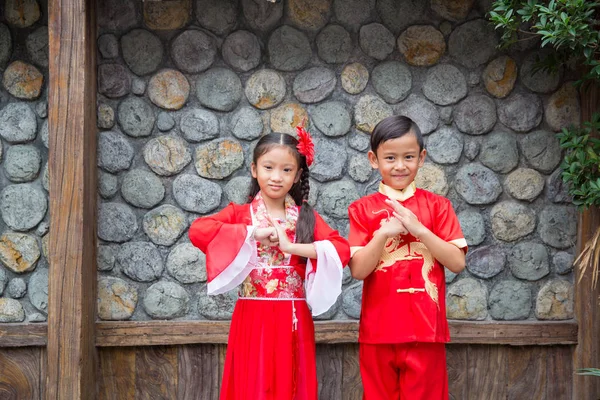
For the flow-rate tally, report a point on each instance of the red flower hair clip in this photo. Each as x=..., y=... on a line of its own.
x=305, y=145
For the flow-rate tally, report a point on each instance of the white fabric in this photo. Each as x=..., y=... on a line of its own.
x=324, y=285
x=238, y=270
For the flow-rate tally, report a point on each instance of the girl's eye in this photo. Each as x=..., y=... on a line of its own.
x=267, y=167
x=287, y=170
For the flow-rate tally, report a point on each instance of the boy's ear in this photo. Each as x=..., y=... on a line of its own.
x=373, y=159
x=422, y=157
x=253, y=170
x=298, y=175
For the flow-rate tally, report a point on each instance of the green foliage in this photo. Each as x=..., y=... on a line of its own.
x=589, y=371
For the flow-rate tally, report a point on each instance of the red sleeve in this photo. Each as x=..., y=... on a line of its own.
x=447, y=226
x=325, y=232
x=360, y=234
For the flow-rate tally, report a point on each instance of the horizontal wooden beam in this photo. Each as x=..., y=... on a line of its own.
x=23, y=335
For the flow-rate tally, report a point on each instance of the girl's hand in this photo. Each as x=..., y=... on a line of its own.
x=266, y=236
x=284, y=242
x=392, y=228
x=407, y=218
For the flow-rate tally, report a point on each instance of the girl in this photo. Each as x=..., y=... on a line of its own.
x=287, y=259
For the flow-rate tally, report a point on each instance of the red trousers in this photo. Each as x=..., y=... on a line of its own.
x=406, y=371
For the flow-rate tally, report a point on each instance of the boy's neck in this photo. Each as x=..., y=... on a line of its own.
x=398, y=194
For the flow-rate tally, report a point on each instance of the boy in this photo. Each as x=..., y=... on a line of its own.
x=400, y=237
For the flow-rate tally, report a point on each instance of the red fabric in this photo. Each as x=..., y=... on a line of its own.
x=407, y=371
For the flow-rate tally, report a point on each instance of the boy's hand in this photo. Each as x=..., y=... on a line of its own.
x=266, y=236
x=407, y=218
x=392, y=228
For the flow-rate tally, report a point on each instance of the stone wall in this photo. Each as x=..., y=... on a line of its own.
x=185, y=89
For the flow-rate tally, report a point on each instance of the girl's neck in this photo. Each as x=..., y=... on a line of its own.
x=275, y=207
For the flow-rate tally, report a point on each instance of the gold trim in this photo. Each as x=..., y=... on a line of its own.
x=460, y=243
x=411, y=290
x=354, y=249
x=400, y=195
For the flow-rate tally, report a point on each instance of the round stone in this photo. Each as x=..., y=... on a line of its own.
x=196, y=194
x=563, y=262
x=169, y=89
x=353, y=13
x=392, y=81
x=21, y=14
x=446, y=115
x=219, y=307
x=116, y=299
x=218, y=159
x=37, y=46
x=114, y=152
x=265, y=89
x=108, y=46
x=557, y=190
x=166, y=300
x=136, y=117
x=449, y=276
x=246, y=124
x=22, y=163
x=262, y=16
x=11, y=310
x=165, y=224
x=330, y=314
x=562, y=109
x=113, y=80
x=499, y=76
x=376, y=41
x=369, y=111
x=352, y=300
x=309, y=15
x=314, y=84
x=486, y=262
x=432, y=178
x=22, y=206
x=510, y=300
x=359, y=141
x=473, y=227
x=198, y=125
x=116, y=222
x=187, y=264
x=558, y=226
x=38, y=290
x=36, y=317
x=445, y=145
x=452, y=11
x=555, y=301
x=541, y=150
x=398, y=15
x=422, y=45
x=354, y=78
x=538, y=80
x=359, y=168
x=467, y=300
x=167, y=155
x=218, y=16
x=241, y=51
x=511, y=221
x=219, y=89
x=105, y=115
x=334, y=44
x=521, y=112
x=499, y=152
x=477, y=184
x=117, y=15
x=138, y=86
x=473, y=43
x=17, y=123
x=193, y=51
x=529, y=261
x=19, y=252
x=165, y=122
x=445, y=85
x=336, y=197
x=23, y=81
x=475, y=115
x=142, y=189
x=3, y=280
x=142, y=51
x=326, y=167
x=5, y=45
x=289, y=49
x=167, y=15
x=332, y=118
x=421, y=111
x=524, y=184
x=237, y=189
x=105, y=258
x=17, y=288
x=140, y=261
x=286, y=117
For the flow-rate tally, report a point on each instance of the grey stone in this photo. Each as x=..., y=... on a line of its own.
x=510, y=300
x=165, y=122
x=142, y=188
x=187, y=264
x=198, y=125
x=346, y=276
x=193, y=51
x=44, y=134
x=46, y=178
x=42, y=228
x=11, y=310
x=36, y=317
x=332, y=118
x=445, y=84
x=353, y=13
x=116, y=222
x=165, y=224
x=352, y=300
x=247, y=124
x=16, y=288
x=541, y=150
x=563, y=262
x=314, y=84
x=473, y=79
x=138, y=86
x=106, y=257
x=114, y=152
x=106, y=118
x=392, y=81
x=262, y=16
x=219, y=307
x=19, y=252
x=3, y=280
x=432, y=178
x=359, y=141
x=336, y=197
x=330, y=160
x=486, y=262
x=562, y=109
x=369, y=111
x=355, y=77
x=241, y=51
x=529, y=261
x=473, y=43
x=421, y=111
x=446, y=115
x=22, y=206
x=136, y=117
x=167, y=155
x=219, y=89
x=511, y=221
x=38, y=290
x=524, y=184
x=140, y=261
x=473, y=227
x=37, y=46
x=445, y=145
x=330, y=314
x=117, y=299
x=22, y=163
x=17, y=123
x=196, y=194
x=454, y=11
x=471, y=150
x=334, y=44
x=477, y=184
x=499, y=152
x=113, y=80
x=558, y=226
x=557, y=190
x=520, y=112
x=218, y=16
x=142, y=51
x=166, y=300
x=218, y=159
x=467, y=300
x=540, y=81
x=449, y=276
x=117, y=15
x=359, y=168
x=41, y=109
x=265, y=89
x=237, y=189
x=289, y=49
x=555, y=301
x=475, y=115
x=398, y=15
x=376, y=41
x=5, y=45
x=108, y=184
x=108, y=46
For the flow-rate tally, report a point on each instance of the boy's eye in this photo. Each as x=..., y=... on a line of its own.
x=390, y=158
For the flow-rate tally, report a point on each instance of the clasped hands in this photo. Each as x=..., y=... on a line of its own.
x=404, y=222
x=273, y=235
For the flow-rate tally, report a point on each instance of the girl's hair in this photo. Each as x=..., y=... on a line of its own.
x=305, y=225
x=392, y=128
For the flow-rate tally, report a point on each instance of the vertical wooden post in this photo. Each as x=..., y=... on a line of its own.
x=72, y=358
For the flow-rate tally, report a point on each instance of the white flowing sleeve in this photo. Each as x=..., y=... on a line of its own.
x=323, y=284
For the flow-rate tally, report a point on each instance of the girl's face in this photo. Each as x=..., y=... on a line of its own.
x=276, y=172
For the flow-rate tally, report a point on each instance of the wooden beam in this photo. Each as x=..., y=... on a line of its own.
x=72, y=358
x=23, y=335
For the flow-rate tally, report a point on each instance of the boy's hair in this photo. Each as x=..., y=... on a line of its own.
x=300, y=191
x=392, y=128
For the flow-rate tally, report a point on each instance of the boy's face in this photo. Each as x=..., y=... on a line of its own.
x=398, y=161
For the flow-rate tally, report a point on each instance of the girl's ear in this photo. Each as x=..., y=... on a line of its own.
x=373, y=159
x=298, y=175
x=253, y=170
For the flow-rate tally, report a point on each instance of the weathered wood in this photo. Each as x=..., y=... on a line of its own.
x=156, y=372
x=20, y=373
x=116, y=378
x=21, y=335
x=199, y=372
x=456, y=361
x=330, y=361
x=351, y=381
x=514, y=333
x=559, y=371
x=72, y=164
x=486, y=372
x=43, y=371
x=527, y=376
